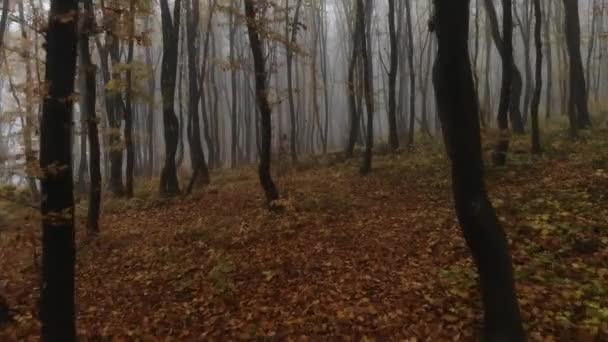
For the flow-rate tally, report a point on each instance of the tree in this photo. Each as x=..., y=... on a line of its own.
x=110, y=51
x=261, y=95
x=364, y=17
x=578, y=112
x=549, y=64
x=459, y=113
x=515, y=110
x=4, y=20
x=539, y=77
x=393, y=139
x=197, y=155
x=412, y=72
x=169, y=184
x=354, y=110
x=506, y=52
x=291, y=34
x=90, y=117
x=129, y=101
x=57, y=205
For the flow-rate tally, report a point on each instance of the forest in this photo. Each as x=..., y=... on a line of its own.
x=319, y=170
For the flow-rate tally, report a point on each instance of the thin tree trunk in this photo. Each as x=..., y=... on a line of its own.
x=128, y=103
x=500, y=153
x=536, y=148
x=272, y=194
x=90, y=117
x=410, y=61
x=549, y=64
x=169, y=184
x=365, y=17
x=393, y=138
x=514, y=112
x=197, y=155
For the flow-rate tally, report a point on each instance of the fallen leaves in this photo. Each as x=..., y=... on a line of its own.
x=375, y=258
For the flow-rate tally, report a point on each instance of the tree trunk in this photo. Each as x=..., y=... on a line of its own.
x=128, y=103
x=28, y=128
x=577, y=111
x=272, y=194
x=90, y=117
x=197, y=155
x=169, y=184
x=57, y=206
x=233, y=88
x=524, y=28
x=354, y=110
x=481, y=228
x=514, y=112
x=549, y=64
x=291, y=32
x=410, y=62
x=393, y=138
x=536, y=149
x=500, y=152
x=364, y=17
x=4, y=21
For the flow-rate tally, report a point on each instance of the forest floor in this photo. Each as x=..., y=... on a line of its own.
x=349, y=258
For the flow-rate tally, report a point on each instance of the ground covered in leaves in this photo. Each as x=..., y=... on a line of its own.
x=350, y=258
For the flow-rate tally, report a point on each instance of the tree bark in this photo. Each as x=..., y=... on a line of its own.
x=481, y=228
x=549, y=64
x=129, y=103
x=500, y=152
x=514, y=112
x=410, y=62
x=57, y=206
x=291, y=32
x=393, y=138
x=169, y=184
x=197, y=155
x=354, y=109
x=364, y=18
x=90, y=118
x=270, y=190
x=536, y=148
x=577, y=108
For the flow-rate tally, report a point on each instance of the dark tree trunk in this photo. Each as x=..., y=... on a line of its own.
x=577, y=108
x=524, y=28
x=197, y=155
x=549, y=68
x=261, y=88
x=365, y=17
x=536, y=149
x=591, y=46
x=129, y=103
x=168, y=179
x=354, y=109
x=4, y=21
x=393, y=138
x=233, y=89
x=57, y=206
x=410, y=62
x=514, y=112
x=114, y=105
x=90, y=117
x=500, y=152
x=291, y=32
x=459, y=113
x=150, y=107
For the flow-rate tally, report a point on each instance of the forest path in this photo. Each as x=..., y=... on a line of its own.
x=349, y=257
